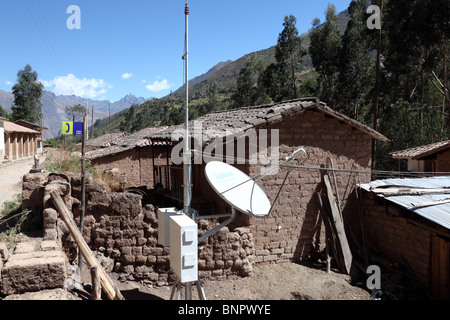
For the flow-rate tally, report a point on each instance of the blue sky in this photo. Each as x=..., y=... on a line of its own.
x=136, y=46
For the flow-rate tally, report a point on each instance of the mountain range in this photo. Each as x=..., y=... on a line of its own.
x=224, y=74
x=53, y=108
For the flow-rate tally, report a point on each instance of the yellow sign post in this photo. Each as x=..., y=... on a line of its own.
x=67, y=128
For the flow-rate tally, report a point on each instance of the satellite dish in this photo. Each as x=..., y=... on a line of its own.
x=237, y=189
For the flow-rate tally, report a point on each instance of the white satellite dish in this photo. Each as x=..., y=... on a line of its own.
x=237, y=189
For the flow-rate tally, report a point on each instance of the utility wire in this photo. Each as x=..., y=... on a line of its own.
x=378, y=173
x=44, y=34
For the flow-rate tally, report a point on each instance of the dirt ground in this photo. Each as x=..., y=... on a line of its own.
x=11, y=174
x=285, y=281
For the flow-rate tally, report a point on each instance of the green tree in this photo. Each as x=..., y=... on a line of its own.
x=289, y=53
x=356, y=69
x=308, y=87
x=250, y=91
x=76, y=112
x=244, y=95
x=272, y=81
x=3, y=113
x=27, y=95
x=413, y=91
x=212, y=94
x=324, y=51
x=417, y=49
x=127, y=123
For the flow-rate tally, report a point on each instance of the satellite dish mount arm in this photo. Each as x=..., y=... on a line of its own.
x=220, y=226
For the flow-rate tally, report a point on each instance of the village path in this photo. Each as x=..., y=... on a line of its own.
x=11, y=174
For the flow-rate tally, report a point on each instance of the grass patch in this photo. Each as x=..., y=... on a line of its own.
x=66, y=159
x=15, y=221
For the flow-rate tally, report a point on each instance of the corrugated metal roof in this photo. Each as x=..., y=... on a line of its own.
x=438, y=213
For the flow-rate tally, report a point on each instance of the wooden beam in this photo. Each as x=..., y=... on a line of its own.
x=96, y=286
x=338, y=225
x=107, y=284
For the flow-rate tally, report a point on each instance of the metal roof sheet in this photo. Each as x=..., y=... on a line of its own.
x=438, y=213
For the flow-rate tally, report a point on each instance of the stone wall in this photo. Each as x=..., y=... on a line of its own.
x=124, y=234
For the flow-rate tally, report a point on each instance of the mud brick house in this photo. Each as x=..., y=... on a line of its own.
x=432, y=158
x=291, y=231
x=408, y=222
x=124, y=231
x=133, y=157
x=16, y=141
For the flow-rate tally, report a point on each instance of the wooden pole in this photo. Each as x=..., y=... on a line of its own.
x=327, y=231
x=96, y=286
x=83, y=191
x=107, y=284
x=338, y=226
x=92, y=121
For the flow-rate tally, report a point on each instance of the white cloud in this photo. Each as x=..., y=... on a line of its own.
x=127, y=75
x=8, y=83
x=158, y=86
x=71, y=85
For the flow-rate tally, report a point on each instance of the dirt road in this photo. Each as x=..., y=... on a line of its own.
x=11, y=178
x=283, y=281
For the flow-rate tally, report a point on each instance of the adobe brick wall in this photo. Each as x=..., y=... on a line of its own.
x=125, y=234
x=387, y=230
x=443, y=161
x=290, y=232
x=128, y=164
x=135, y=165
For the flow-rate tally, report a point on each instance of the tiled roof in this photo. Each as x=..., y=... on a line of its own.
x=127, y=142
x=30, y=125
x=235, y=121
x=105, y=140
x=138, y=138
x=421, y=151
x=13, y=127
x=240, y=120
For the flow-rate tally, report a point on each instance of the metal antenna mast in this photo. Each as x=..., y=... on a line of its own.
x=187, y=165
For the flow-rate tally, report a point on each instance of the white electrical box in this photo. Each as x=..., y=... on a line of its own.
x=184, y=248
x=163, y=225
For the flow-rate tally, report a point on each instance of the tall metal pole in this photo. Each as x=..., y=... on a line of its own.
x=187, y=165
